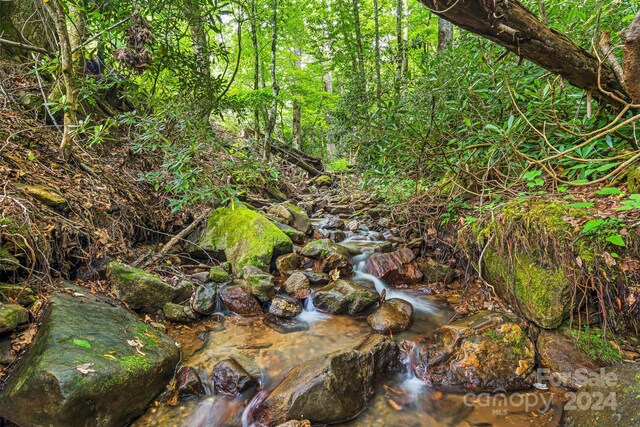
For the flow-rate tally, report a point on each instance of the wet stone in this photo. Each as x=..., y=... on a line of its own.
x=203, y=300
x=229, y=377
x=178, y=313
x=239, y=300
x=189, y=381
x=317, y=279
x=344, y=297
x=284, y=325
x=297, y=285
x=285, y=306
x=393, y=315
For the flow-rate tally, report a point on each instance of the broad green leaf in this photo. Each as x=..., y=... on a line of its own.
x=616, y=239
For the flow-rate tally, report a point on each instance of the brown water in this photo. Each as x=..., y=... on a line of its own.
x=399, y=401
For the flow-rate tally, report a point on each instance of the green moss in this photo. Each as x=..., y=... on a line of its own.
x=596, y=346
x=633, y=180
x=126, y=273
x=136, y=362
x=542, y=294
x=146, y=335
x=245, y=236
x=218, y=274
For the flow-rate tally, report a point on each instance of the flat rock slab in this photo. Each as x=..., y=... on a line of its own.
x=83, y=368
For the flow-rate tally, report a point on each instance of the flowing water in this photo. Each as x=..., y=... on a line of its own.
x=400, y=401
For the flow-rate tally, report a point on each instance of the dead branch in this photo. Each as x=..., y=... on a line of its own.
x=144, y=260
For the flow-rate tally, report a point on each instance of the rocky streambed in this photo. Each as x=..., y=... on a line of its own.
x=298, y=322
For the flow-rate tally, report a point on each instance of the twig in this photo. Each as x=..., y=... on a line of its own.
x=24, y=46
x=143, y=261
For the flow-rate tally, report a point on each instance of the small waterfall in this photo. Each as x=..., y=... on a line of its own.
x=309, y=313
x=359, y=274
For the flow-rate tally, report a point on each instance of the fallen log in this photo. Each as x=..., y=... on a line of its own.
x=309, y=164
x=512, y=25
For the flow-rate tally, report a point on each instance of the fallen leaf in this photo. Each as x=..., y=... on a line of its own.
x=85, y=369
x=608, y=259
x=24, y=339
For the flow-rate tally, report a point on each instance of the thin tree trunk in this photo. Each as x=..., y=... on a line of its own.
x=510, y=24
x=360, y=52
x=68, y=77
x=376, y=17
x=445, y=34
x=256, y=63
x=77, y=33
x=271, y=123
x=199, y=40
x=400, y=47
x=297, y=111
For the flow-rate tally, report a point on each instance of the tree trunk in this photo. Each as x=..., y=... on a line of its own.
x=199, y=40
x=273, y=112
x=362, y=79
x=77, y=33
x=376, y=17
x=445, y=34
x=510, y=24
x=631, y=59
x=68, y=77
x=400, y=47
x=256, y=63
x=297, y=112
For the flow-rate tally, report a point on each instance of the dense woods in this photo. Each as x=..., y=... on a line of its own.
x=359, y=212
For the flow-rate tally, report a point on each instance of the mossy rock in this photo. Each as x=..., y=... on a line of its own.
x=296, y=236
x=12, y=316
x=138, y=289
x=245, y=236
x=16, y=294
x=300, y=219
x=543, y=295
x=178, y=313
x=8, y=262
x=218, y=274
x=534, y=275
x=49, y=386
x=45, y=195
x=484, y=352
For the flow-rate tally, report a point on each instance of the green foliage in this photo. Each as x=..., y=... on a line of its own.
x=338, y=165
x=633, y=202
x=592, y=342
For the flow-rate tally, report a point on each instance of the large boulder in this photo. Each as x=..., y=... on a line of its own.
x=245, y=237
x=485, y=352
x=541, y=292
x=393, y=315
x=344, y=297
x=91, y=364
x=609, y=399
x=395, y=268
x=329, y=388
x=138, y=289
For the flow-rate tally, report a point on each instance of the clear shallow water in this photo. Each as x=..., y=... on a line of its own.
x=402, y=400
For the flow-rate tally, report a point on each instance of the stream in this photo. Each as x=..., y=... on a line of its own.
x=402, y=400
